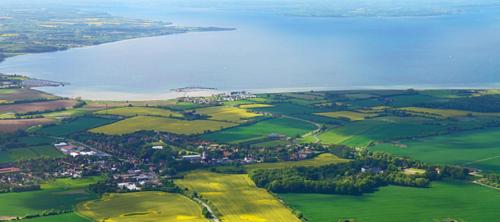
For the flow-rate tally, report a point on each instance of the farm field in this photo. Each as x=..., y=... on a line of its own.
x=283, y=126
x=320, y=160
x=13, y=95
x=76, y=125
x=117, y=104
x=7, y=115
x=455, y=200
x=362, y=133
x=176, y=126
x=287, y=109
x=69, y=113
x=237, y=198
x=445, y=113
x=254, y=105
x=142, y=206
x=30, y=152
x=37, y=106
x=227, y=113
x=401, y=100
x=35, y=140
x=353, y=116
x=70, y=217
x=12, y=125
x=139, y=111
x=478, y=148
x=54, y=196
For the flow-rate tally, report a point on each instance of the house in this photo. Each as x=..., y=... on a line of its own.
x=9, y=170
x=60, y=144
x=157, y=147
x=128, y=186
x=196, y=157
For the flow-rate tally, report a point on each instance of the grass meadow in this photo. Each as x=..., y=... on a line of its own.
x=478, y=148
x=363, y=133
x=283, y=126
x=60, y=194
x=237, y=198
x=73, y=126
x=463, y=202
x=320, y=160
x=30, y=152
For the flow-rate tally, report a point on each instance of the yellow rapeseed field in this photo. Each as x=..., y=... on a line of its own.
x=176, y=126
x=255, y=105
x=237, y=198
x=139, y=111
x=227, y=113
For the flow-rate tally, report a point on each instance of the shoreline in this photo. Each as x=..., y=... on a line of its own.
x=169, y=94
x=197, y=29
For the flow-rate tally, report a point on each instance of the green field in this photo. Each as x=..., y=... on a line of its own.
x=288, y=109
x=60, y=194
x=445, y=113
x=362, y=133
x=237, y=198
x=353, y=116
x=139, y=111
x=35, y=140
x=479, y=148
x=396, y=100
x=30, y=152
x=74, y=126
x=142, y=206
x=320, y=160
x=176, y=126
x=68, y=113
x=283, y=126
x=454, y=200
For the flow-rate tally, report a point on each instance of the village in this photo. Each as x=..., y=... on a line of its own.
x=218, y=99
x=130, y=173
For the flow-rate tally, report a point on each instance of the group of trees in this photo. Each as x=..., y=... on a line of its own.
x=6, y=188
x=50, y=212
x=364, y=174
x=355, y=177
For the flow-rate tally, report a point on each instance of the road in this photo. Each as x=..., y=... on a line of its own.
x=485, y=185
x=215, y=219
x=312, y=133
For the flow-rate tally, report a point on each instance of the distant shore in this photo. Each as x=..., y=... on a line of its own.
x=169, y=94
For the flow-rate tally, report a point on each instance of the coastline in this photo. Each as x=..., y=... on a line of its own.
x=4, y=57
x=169, y=94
